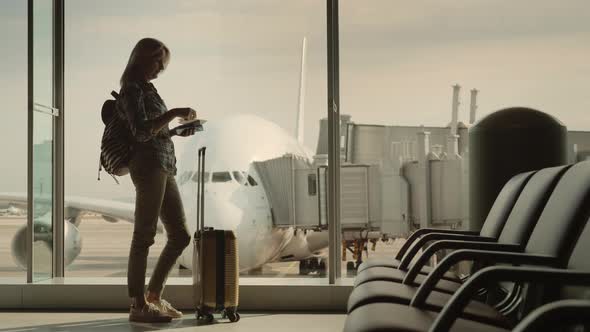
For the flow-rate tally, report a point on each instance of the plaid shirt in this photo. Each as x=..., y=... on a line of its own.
x=141, y=103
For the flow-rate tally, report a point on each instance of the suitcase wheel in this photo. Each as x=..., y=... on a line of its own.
x=204, y=317
x=233, y=316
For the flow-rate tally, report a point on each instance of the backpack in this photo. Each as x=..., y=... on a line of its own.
x=115, y=147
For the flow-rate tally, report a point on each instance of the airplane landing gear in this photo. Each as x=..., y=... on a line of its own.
x=322, y=269
x=356, y=247
x=256, y=271
x=304, y=267
x=312, y=265
x=350, y=267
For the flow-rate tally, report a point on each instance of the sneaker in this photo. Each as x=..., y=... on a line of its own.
x=148, y=314
x=167, y=309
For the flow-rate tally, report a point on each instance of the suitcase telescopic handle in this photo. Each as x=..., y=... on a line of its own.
x=201, y=189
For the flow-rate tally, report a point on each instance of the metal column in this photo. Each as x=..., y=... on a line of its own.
x=334, y=228
x=58, y=139
x=30, y=102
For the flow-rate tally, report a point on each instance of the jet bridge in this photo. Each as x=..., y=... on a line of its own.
x=290, y=183
x=374, y=205
x=296, y=191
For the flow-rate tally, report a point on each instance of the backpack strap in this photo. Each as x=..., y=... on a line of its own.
x=114, y=178
x=99, y=168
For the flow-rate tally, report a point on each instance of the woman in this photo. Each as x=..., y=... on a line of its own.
x=152, y=169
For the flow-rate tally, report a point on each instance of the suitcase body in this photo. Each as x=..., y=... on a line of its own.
x=215, y=264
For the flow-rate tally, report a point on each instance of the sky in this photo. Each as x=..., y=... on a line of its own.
x=398, y=61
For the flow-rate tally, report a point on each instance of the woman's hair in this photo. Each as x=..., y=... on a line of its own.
x=145, y=52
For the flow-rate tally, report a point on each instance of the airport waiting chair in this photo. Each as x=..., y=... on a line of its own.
x=489, y=232
x=553, y=316
x=568, y=203
x=522, y=215
x=556, y=315
x=576, y=272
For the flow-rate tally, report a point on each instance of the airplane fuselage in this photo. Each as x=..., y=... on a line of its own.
x=234, y=196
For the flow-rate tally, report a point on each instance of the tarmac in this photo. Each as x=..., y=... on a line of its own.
x=105, y=250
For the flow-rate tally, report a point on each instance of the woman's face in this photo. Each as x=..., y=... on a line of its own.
x=154, y=67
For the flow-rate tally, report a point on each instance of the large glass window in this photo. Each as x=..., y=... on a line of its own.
x=399, y=64
x=239, y=64
x=13, y=139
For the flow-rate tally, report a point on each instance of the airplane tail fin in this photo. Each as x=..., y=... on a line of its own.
x=301, y=100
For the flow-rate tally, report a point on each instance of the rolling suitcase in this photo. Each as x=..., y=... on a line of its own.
x=215, y=263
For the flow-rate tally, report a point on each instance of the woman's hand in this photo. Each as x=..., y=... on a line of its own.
x=187, y=132
x=186, y=113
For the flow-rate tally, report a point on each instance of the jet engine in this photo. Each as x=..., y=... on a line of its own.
x=43, y=240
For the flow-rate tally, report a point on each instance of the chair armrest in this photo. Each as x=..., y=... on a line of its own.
x=421, y=242
x=554, y=315
x=445, y=244
x=494, y=257
x=495, y=274
x=422, y=231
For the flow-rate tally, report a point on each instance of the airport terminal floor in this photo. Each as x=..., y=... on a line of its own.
x=38, y=321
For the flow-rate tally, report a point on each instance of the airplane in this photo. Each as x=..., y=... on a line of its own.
x=234, y=195
x=11, y=211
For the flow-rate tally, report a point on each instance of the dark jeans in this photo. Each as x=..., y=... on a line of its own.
x=156, y=195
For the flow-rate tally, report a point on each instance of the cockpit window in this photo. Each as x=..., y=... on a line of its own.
x=251, y=181
x=239, y=177
x=196, y=177
x=221, y=177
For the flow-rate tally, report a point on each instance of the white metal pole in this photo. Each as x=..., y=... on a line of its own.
x=473, y=106
x=299, y=132
x=455, y=109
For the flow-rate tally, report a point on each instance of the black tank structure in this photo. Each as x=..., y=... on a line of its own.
x=505, y=143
